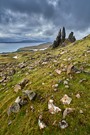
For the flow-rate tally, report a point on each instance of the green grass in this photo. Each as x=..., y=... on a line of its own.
x=27, y=123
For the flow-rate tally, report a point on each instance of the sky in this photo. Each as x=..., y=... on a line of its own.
x=42, y=19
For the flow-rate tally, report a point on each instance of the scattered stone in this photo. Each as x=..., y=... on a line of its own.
x=67, y=86
x=23, y=101
x=78, y=96
x=58, y=71
x=9, y=122
x=69, y=59
x=62, y=52
x=15, y=57
x=55, y=90
x=17, y=88
x=31, y=95
x=22, y=65
x=18, y=99
x=1, y=81
x=54, y=123
x=88, y=51
x=66, y=99
x=63, y=124
x=60, y=81
x=81, y=111
x=13, y=108
x=67, y=111
x=78, y=72
x=69, y=68
x=82, y=80
x=44, y=63
x=23, y=83
x=43, y=83
x=27, y=112
x=65, y=82
x=32, y=108
x=56, y=85
x=64, y=59
x=64, y=70
x=12, y=72
x=41, y=124
x=55, y=61
x=62, y=65
x=52, y=108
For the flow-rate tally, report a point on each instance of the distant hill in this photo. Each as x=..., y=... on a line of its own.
x=15, y=40
x=31, y=48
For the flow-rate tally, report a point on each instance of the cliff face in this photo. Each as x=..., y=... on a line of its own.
x=44, y=91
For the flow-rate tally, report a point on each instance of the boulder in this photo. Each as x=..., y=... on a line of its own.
x=1, y=81
x=67, y=111
x=12, y=72
x=82, y=80
x=23, y=102
x=30, y=94
x=23, y=83
x=22, y=65
x=18, y=99
x=17, y=88
x=58, y=71
x=65, y=82
x=69, y=68
x=55, y=85
x=81, y=111
x=41, y=124
x=63, y=124
x=78, y=95
x=13, y=108
x=32, y=108
x=15, y=57
x=67, y=86
x=44, y=63
x=66, y=99
x=52, y=108
x=9, y=122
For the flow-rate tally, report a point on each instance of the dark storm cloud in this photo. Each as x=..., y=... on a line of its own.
x=43, y=18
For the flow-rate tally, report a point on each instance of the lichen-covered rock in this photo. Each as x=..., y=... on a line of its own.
x=58, y=71
x=63, y=124
x=66, y=99
x=78, y=95
x=69, y=68
x=18, y=99
x=52, y=108
x=13, y=108
x=23, y=83
x=30, y=94
x=41, y=124
x=17, y=88
x=67, y=111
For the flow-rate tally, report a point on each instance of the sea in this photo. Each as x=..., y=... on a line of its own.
x=12, y=47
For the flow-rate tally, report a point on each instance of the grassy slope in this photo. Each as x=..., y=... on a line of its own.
x=26, y=123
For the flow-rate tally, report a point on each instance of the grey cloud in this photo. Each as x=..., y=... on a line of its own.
x=43, y=18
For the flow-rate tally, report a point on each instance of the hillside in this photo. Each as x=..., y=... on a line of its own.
x=49, y=74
